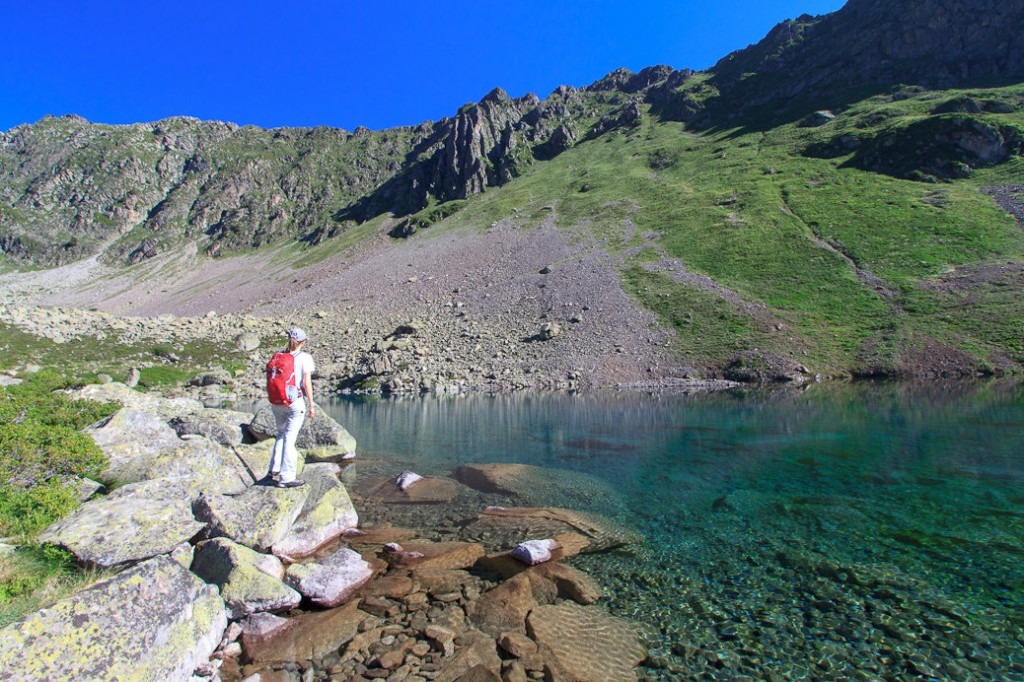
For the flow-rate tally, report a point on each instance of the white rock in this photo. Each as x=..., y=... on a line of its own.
x=535, y=552
x=406, y=480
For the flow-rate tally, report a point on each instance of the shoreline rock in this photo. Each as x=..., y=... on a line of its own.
x=446, y=609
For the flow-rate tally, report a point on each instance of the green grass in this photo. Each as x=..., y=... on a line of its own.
x=43, y=452
x=809, y=238
x=87, y=356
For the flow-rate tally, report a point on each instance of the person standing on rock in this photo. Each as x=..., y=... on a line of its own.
x=291, y=413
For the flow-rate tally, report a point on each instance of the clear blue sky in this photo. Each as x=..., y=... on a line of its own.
x=344, y=63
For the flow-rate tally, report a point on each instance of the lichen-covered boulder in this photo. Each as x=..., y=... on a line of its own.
x=226, y=427
x=585, y=641
x=331, y=581
x=130, y=439
x=154, y=621
x=327, y=513
x=198, y=463
x=134, y=522
x=257, y=518
x=249, y=582
x=323, y=439
x=117, y=392
x=255, y=459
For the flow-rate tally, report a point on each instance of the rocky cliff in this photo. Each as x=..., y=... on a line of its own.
x=867, y=47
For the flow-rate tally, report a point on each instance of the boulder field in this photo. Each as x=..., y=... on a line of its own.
x=213, y=576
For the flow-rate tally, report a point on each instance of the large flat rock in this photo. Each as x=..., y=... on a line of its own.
x=257, y=518
x=586, y=642
x=130, y=439
x=154, y=621
x=133, y=523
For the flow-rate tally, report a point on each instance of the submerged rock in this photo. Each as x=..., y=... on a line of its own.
x=134, y=522
x=505, y=607
x=423, y=490
x=585, y=643
x=540, y=486
x=423, y=554
x=311, y=635
x=506, y=526
x=154, y=621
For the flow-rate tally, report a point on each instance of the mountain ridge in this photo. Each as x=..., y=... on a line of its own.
x=765, y=183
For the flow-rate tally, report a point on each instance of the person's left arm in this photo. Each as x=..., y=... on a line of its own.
x=307, y=385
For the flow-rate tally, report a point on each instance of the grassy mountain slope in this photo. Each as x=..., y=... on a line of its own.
x=796, y=255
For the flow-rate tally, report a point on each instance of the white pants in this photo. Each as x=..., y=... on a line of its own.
x=289, y=419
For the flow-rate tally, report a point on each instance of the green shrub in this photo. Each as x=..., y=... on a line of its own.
x=43, y=451
x=25, y=511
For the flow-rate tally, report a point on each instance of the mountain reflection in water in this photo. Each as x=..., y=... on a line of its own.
x=876, y=528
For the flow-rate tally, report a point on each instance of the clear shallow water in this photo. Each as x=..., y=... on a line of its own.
x=865, y=532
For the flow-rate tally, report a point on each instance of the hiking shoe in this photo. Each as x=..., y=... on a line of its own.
x=291, y=484
x=270, y=479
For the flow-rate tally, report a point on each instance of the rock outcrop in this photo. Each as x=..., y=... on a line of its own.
x=326, y=515
x=394, y=602
x=132, y=523
x=155, y=621
x=249, y=582
x=814, y=63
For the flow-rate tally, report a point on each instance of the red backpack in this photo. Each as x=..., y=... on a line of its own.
x=281, y=385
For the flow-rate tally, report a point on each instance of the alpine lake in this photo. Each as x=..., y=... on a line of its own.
x=839, y=531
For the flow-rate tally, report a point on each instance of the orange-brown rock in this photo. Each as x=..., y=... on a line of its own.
x=505, y=607
x=571, y=583
x=585, y=643
x=507, y=526
x=572, y=544
x=393, y=586
x=517, y=644
x=501, y=479
x=441, y=580
x=440, y=555
x=481, y=653
x=427, y=490
x=311, y=635
x=375, y=537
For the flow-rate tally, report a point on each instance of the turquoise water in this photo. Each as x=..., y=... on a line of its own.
x=841, y=532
